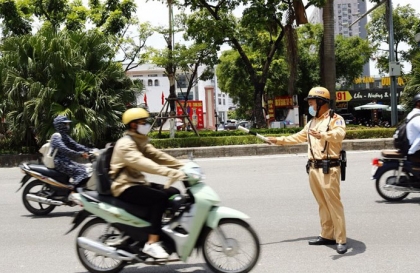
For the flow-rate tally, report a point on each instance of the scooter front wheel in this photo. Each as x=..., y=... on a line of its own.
x=233, y=247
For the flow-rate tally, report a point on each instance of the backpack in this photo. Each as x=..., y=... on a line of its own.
x=401, y=141
x=102, y=168
x=104, y=181
x=48, y=154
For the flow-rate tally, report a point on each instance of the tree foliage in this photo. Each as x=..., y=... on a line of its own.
x=66, y=64
x=406, y=21
x=351, y=55
x=268, y=17
x=66, y=73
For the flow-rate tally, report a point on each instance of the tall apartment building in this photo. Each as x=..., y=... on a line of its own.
x=345, y=13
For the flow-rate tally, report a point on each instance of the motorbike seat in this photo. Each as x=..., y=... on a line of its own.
x=60, y=177
x=392, y=154
x=142, y=212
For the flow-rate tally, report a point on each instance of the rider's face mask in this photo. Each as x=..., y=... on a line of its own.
x=143, y=129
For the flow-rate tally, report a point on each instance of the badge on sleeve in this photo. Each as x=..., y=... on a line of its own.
x=339, y=123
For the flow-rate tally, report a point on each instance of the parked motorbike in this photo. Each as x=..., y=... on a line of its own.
x=118, y=231
x=48, y=187
x=394, y=175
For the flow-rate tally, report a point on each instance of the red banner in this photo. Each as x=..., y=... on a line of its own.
x=194, y=109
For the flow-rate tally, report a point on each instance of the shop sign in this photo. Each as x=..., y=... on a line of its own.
x=283, y=101
x=341, y=105
x=373, y=95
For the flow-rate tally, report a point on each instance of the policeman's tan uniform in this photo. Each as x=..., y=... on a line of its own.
x=325, y=187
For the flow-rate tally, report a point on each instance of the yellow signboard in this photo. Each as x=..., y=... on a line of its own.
x=342, y=96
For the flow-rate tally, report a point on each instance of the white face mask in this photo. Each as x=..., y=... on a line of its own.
x=143, y=129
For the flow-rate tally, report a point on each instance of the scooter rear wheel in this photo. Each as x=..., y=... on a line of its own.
x=38, y=188
x=243, y=247
x=99, y=230
x=390, y=195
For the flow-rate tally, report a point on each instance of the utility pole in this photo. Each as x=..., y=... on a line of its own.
x=394, y=67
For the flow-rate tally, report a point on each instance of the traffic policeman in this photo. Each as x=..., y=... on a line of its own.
x=324, y=133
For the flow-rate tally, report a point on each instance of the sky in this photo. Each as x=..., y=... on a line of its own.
x=156, y=13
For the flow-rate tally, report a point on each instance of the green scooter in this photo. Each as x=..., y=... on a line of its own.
x=193, y=220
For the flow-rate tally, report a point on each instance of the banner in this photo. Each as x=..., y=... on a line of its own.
x=194, y=110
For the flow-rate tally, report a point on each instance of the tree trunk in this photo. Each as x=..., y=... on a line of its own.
x=170, y=69
x=328, y=72
x=259, y=119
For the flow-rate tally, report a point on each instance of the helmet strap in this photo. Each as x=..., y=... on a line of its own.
x=319, y=104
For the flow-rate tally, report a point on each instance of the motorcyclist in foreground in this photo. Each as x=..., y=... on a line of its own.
x=133, y=155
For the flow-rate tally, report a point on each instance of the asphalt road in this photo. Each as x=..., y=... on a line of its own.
x=273, y=191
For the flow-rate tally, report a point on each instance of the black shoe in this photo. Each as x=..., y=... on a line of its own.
x=341, y=248
x=321, y=241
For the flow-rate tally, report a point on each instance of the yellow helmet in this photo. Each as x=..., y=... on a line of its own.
x=134, y=114
x=319, y=93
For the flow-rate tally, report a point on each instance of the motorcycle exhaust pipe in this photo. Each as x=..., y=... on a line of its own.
x=399, y=188
x=43, y=200
x=104, y=250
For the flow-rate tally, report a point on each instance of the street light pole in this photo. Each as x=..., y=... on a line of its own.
x=394, y=68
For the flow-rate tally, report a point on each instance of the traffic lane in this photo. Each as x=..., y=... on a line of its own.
x=274, y=191
x=276, y=194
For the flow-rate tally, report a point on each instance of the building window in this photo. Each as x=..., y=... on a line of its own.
x=156, y=83
x=150, y=83
x=152, y=75
x=137, y=76
x=181, y=96
x=181, y=81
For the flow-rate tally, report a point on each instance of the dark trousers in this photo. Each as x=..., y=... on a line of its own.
x=154, y=196
x=414, y=157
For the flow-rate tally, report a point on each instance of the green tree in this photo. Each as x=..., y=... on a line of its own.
x=184, y=57
x=405, y=20
x=66, y=73
x=351, y=54
x=258, y=16
x=412, y=87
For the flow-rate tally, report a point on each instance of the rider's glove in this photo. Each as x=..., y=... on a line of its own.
x=174, y=175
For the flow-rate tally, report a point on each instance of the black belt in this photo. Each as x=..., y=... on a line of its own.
x=318, y=163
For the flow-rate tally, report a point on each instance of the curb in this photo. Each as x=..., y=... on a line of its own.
x=229, y=151
x=264, y=149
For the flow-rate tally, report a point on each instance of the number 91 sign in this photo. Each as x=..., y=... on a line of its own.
x=342, y=96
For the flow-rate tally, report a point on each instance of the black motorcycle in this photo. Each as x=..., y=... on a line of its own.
x=395, y=176
x=49, y=188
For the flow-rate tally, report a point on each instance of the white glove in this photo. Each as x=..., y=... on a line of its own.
x=174, y=175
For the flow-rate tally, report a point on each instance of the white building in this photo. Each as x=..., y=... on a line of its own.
x=345, y=13
x=156, y=84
